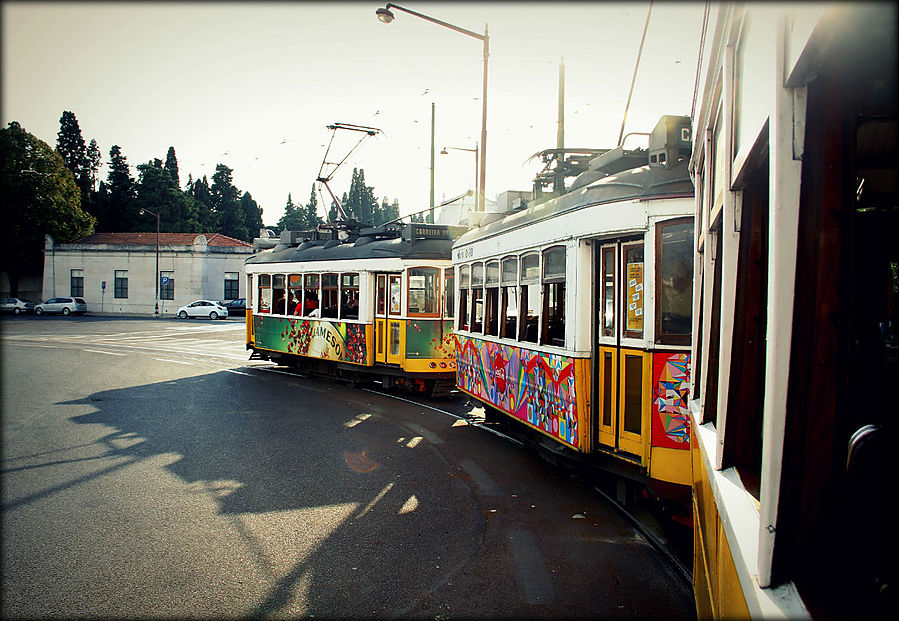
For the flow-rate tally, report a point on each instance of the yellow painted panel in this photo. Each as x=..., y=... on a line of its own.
x=731, y=601
x=610, y=390
x=583, y=390
x=423, y=365
x=705, y=524
x=248, y=321
x=393, y=326
x=672, y=465
x=380, y=340
x=637, y=444
x=701, y=592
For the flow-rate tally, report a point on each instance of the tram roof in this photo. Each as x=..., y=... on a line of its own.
x=414, y=241
x=642, y=183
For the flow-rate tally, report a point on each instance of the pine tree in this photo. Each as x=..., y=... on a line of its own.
x=225, y=203
x=202, y=196
x=120, y=216
x=70, y=145
x=93, y=163
x=171, y=165
x=293, y=219
x=158, y=192
x=252, y=216
x=311, y=212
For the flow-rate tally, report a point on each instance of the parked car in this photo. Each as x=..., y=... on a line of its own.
x=66, y=306
x=17, y=306
x=203, y=308
x=236, y=307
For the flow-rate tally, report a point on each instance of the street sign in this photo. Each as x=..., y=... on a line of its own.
x=165, y=280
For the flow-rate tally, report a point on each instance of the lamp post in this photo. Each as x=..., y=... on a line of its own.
x=475, y=151
x=142, y=212
x=386, y=16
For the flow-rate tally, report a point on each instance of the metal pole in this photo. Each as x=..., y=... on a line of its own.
x=156, y=311
x=431, y=213
x=483, y=153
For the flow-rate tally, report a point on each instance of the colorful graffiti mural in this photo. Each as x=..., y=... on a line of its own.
x=536, y=388
x=317, y=339
x=671, y=390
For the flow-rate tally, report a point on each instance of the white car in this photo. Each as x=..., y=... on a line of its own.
x=66, y=306
x=203, y=308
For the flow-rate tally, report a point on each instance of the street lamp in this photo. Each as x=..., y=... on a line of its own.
x=386, y=16
x=475, y=151
x=142, y=212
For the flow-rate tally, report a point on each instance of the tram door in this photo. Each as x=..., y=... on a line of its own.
x=388, y=332
x=621, y=397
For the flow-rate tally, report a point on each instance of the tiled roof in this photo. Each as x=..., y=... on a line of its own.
x=167, y=239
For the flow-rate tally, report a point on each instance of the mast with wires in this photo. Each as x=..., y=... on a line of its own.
x=325, y=176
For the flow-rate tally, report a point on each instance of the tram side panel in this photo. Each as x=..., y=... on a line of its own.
x=326, y=340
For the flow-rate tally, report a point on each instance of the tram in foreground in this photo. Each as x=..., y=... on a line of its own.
x=793, y=397
x=356, y=303
x=573, y=314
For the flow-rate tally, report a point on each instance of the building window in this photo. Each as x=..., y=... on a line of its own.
x=530, y=298
x=553, y=332
x=509, y=302
x=120, y=289
x=166, y=285
x=232, y=286
x=76, y=288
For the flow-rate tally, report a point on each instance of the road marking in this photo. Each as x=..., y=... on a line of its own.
x=534, y=582
x=380, y=495
x=108, y=353
x=175, y=361
x=237, y=372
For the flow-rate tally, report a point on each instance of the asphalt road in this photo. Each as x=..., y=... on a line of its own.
x=149, y=469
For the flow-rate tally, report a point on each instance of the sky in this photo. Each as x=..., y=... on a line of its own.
x=255, y=85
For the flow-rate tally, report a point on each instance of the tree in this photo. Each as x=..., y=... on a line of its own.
x=38, y=196
x=293, y=219
x=70, y=145
x=171, y=165
x=360, y=202
x=251, y=213
x=201, y=194
x=93, y=163
x=224, y=203
x=312, y=219
x=116, y=213
x=158, y=192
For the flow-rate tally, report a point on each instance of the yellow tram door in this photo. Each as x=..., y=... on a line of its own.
x=381, y=318
x=622, y=371
x=395, y=338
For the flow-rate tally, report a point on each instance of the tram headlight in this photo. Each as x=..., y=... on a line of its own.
x=442, y=365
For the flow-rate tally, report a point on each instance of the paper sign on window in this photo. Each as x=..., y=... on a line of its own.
x=635, y=296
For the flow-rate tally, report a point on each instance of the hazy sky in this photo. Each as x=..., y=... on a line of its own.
x=254, y=85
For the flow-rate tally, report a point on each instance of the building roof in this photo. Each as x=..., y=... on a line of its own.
x=167, y=239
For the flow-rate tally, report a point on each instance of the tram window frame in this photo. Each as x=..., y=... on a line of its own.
x=279, y=294
x=394, y=310
x=530, y=283
x=491, y=298
x=264, y=293
x=639, y=289
x=508, y=324
x=449, y=293
x=464, y=297
x=664, y=265
x=312, y=285
x=349, y=295
x=330, y=295
x=430, y=291
x=295, y=292
x=609, y=289
x=553, y=316
x=477, y=297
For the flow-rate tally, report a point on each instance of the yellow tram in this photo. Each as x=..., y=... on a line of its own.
x=793, y=397
x=573, y=313
x=357, y=303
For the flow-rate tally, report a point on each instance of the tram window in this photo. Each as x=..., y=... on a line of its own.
x=265, y=294
x=632, y=301
x=279, y=294
x=554, y=297
x=349, y=296
x=449, y=292
x=509, y=298
x=311, y=295
x=674, y=281
x=294, y=294
x=492, y=294
x=477, y=297
x=464, y=282
x=608, y=291
x=329, y=295
x=530, y=298
x=424, y=291
x=382, y=295
x=396, y=293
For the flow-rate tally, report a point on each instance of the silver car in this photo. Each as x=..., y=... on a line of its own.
x=66, y=306
x=16, y=305
x=203, y=308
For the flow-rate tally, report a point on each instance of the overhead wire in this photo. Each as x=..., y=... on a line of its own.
x=634, y=78
x=705, y=23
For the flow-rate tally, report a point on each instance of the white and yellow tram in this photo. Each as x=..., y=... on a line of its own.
x=573, y=314
x=793, y=395
x=355, y=303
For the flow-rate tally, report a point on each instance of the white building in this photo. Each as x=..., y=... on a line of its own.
x=113, y=272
